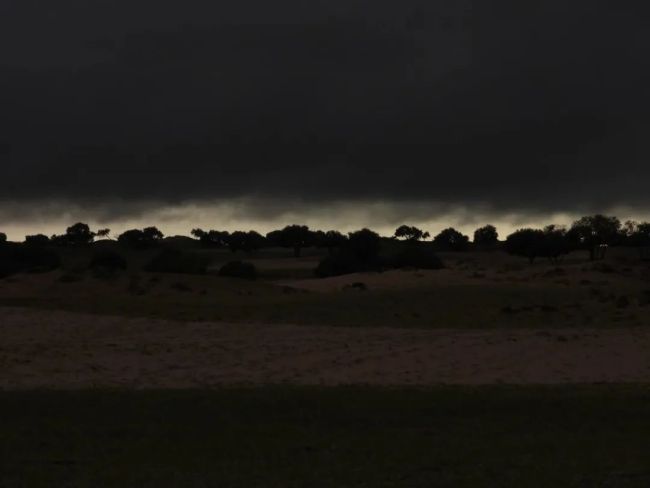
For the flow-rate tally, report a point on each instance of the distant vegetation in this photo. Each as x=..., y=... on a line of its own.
x=363, y=250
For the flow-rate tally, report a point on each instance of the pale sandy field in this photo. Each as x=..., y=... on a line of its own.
x=64, y=350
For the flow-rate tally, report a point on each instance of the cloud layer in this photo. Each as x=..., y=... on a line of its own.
x=516, y=106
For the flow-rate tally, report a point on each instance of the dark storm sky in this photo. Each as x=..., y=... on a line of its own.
x=534, y=105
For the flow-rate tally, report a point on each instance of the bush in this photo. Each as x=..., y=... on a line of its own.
x=407, y=255
x=416, y=256
x=108, y=261
x=239, y=269
x=344, y=262
x=176, y=261
x=37, y=240
x=18, y=258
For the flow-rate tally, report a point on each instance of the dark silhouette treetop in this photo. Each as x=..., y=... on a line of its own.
x=103, y=233
x=410, y=233
x=153, y=234
x=550, y=243
x=525, y=242
x=3, y=237
x=212, y=238
x=141, y=239
x=364, y=244
x=79, y=233
x=330, y=240
x=596, y=229
x=593, y=231
x=246, y=241
x=451, y=240
x=486, y=236
x=294, y=236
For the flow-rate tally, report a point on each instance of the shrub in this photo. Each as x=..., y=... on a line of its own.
x=176, y=261
x=18, y=258
x=108, y=261
x=344, y=262
x=336, y=265
x=416, y=256
x=239, y=269
x=37, y=240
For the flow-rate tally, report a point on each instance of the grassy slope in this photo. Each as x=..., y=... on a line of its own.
x=278, y=437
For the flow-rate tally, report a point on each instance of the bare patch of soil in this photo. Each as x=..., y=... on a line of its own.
x=61, y=350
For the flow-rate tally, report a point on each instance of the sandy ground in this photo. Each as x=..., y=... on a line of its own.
x=44, y=349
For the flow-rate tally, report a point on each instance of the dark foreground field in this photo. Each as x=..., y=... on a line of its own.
x=596, y=436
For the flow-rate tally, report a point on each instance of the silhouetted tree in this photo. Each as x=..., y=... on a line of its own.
x=212, y=238
x=359, y=253
x=246, y=241
x=77, y=234
x=591, y=232
x=364, y=245
x=104, y=233
x=410, y=233
x=525, y=242
x=37, y=240
x=554, y=244
x=3, y=237
x=451, y=240
x=198, y=233
x=293, y=236
x=152, y=234
x=533, y=243
x=330, y=240
x=486, y=236
x=141, y=239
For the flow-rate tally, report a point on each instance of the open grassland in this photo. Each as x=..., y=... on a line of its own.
x=337, y=437
x=476, y=290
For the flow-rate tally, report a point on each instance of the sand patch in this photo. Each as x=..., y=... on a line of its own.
x=45, y=349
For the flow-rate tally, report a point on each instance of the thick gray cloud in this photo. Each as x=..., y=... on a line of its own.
x=538, y=105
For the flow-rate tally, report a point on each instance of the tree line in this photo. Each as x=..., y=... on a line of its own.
x=590, y=233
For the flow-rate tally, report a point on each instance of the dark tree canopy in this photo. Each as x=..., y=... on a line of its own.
x=360, y=252
x=3, y=237
x=451, y=240
x=77, y=234
x=104, y=233
x=364, y=244
x=551, y=242
x=486, y=236
x=246, y=241
x=330, y=240
x=525, y=242
x=153, y=234
x=212, y=238
x=410, y=233
x=293, y=236
x=591, y=232
x=141, y=239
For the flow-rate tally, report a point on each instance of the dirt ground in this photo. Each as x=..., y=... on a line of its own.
x=63, y=350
